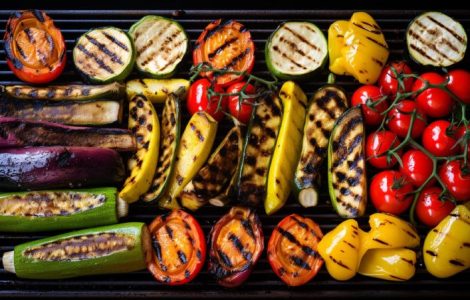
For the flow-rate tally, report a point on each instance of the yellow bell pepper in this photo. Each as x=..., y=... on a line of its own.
x=446, y=248
x=360, y=49
x=389, y=264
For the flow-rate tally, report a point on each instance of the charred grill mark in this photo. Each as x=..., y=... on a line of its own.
x=456, y=262
x=158, y=252
x=398, y=278
x=221, y=48
x=225, y=259
x=248, y=228
x=145, y=47
x=466, y=245
x=410, y=234
x=432, y=253
x=99, y=61
x=377, y=61
x=300, y=223
x=283, y=54
x=291, y=238
x=39, y=15
x=217, y=29
x=430, y=44
x=376, y=31
x=294, y=47
x=380, y=241
x=20, y=50
x=239, y=246
x=454, y=34
x=169, y=231
x=171, y=60
x=102, y=47
x=339, y=263
x=182, y=257
x=349, y=244
x=377, y=42
x=116, y=41
x=236, y=59
x=187, y=274
x=301, y=38
x=299, y=262
x=30, y=36
x=422, y=52
x=409, y=261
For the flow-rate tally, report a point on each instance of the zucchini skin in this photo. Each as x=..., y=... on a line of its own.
x=104, y=214
x=127, y=260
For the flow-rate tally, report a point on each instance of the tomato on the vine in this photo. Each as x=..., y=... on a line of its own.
x=388, y=82
x=459, y=134
x=416, y=167
x=390, y=192
x=399, y=119
x=377, y=144
x=372, y=115
x=437, y=141
x=435, y=102
x=456, y=180
x=241, y=109
x=431, y=210
x=459, y=84
x=198, y=99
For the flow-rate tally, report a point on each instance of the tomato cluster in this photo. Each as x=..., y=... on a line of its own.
x=417, y=143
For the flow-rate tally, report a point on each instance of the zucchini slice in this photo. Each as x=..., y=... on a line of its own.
x=346, y=165
x=296, y=50
x=436, y=39
x=160, y=44
x=104, y=55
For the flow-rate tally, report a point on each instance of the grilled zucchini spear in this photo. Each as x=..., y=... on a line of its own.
x=346, y=165
x=157, y=90
x=193, y=150
x=326, y=105
x=288, y=146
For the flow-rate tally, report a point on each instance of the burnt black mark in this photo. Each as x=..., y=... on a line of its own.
x=374, y=31
x=102, y=47
x=116, y=42
x=221, y=48
x=339, y=263
x=169, y=231
x=380, y=241
x=39, y=15
x=299, y=262
x=248, y=228
x=182, y=257
x=432, y=253
x=236, y=59
x=99, y=61
x=291, y=238
x=456, y=263
x=225, y=259
x=239, y=246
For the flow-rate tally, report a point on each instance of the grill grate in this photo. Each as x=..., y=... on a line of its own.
x=263, y=282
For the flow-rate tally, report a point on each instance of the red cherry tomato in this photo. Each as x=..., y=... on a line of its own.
x=436, y=140
x=377, y=144
x=416, y=167
x=241, y=111
x=430, y=210
x=390, y=192
x=198, y=100
x=459, y=84
x=399, y=119
x=388, y=82
x=459, y=135
x=456, y=181
x=372, y=116
x=434, y=102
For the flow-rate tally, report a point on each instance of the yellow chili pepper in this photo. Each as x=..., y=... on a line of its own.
x=389, y=264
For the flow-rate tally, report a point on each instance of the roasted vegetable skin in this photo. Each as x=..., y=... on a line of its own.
x=119, y=248
x=60, y=209
x=157, y=90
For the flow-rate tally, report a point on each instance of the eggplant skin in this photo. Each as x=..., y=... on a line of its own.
x=42, y=168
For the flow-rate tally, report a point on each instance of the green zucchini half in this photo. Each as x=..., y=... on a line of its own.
x=104, y=55
x=296, y=50
x=160, y=44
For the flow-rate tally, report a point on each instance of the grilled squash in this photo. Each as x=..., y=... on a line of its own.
x=157, y=90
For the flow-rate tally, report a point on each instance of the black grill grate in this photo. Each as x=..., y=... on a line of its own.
x=262, y=283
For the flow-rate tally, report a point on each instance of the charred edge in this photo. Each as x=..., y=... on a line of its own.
x=104, y=49
x=339, y=263
x=299, y=262
x=115, y=41
x=291, y=238
x=396, y=277
x=99, y=61
x=39, y=15
x=221, y=48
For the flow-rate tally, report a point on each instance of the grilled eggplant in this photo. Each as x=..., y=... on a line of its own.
x=258, y=149
x=296, y=50
x=326, y=105
x=436, y=39
x=20, y=133
x=94, y=112
x=60, y=209
x=170, y=137
x=346, y=165
x=157, y=90
x=119, y=248
x=112, y=91
x=216, y=174
x=104, y=55
x=59, y=167
x=160, y=43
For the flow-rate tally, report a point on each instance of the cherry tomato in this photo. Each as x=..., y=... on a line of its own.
x=241, y=111
x=399, y=119
x=430, y=210
x=436, y=140
x=390, y=192
x=388, y=82
x=459, y=84
x=416, y=167
x=459, y=135
x=198, y=100
x=435, y=102
x=455, y=180
x=372, y=116
x=378, y=143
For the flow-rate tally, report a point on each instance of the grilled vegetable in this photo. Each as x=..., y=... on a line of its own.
x=143, y=122
x=59, y=167
x=236, y=243
x=95, y=112
x=288, y=147
x=216, y=173
x=296, y=50
x=260, y=140
x=160, y=43
x=292, y=250
x=357, y=48
x=346, y=165
x=112, y=91
x=119, y=248
x=59, y=209
x=436, y=39
x=446, y=248
x=34, y=47
x=179, y=248
x=170, y=137
x=157, y=90
x=225, y=45
x=193, y=150
x=326, y=105
x=19, y=133
x=104, y=55
x=389, y=264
